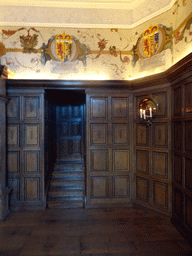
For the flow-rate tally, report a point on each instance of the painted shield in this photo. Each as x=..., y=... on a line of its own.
x=151, y=41
x=63, y=46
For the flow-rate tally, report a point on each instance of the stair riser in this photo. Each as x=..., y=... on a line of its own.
x=66, y=194
x=69, y=169
x=67, y=187
x=66, y=206
x=67, y=178
x=67, y=183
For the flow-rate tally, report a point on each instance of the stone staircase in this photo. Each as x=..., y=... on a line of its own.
x=67, y=187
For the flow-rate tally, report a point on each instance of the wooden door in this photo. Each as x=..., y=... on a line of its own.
x=69, y=129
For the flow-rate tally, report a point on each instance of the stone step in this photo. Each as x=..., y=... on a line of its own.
x=67, y=188
x=68, y=184
x=68, y=175
x=64, y=168
x=69, y=162
x=64, y=189
x=66, y=193
x=66, y=204
x=65, y=198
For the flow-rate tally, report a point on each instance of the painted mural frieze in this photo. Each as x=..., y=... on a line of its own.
x=93, y=53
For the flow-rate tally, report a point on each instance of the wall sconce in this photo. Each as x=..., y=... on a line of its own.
x=147, y=110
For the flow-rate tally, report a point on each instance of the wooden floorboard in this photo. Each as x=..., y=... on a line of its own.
x=111, y=231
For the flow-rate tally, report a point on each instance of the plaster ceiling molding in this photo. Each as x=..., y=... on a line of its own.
x=81, y=13
x=147, y=10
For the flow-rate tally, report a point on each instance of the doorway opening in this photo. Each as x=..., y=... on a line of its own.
x=65, y=148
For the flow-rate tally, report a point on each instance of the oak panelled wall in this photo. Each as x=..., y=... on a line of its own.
x=109, y=174
x=25, y=139
x=152, y=156
x=182, y=153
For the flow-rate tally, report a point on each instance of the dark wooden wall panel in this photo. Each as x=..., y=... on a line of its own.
x=188, y=136
x=99, y=134
x=13, y=135
x=120, y=134
x=31, y=164
x=31, y=107
x=121, y=186
x=99, y=160
x=177, y=135
x=160, y=135
x=177, y=169
x=120, y=107
x=13, y=108
x=13, y=161
x=188, y=173
x=152, y=146
x=182, y=154
x=161, y=99
x=120, y=160
x=160, y=193
x=98, y=108
x=25, y=113
x=188, y=214
x=142, y=136
x=99, y=187
x=160, y=164
x=31, y=189
x=15, y=191
x=188, y=99
x=108, y=148
x=142, y=189
x=177, y=101
x=142, y=163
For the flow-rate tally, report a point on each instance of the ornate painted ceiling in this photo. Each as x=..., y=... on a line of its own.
x=81, y=13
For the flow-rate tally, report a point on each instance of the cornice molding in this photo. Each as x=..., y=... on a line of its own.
x=108, y=21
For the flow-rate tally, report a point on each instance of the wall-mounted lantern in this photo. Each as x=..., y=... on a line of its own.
x=147, y=110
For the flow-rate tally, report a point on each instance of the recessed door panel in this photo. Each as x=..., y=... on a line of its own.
x=69, y=129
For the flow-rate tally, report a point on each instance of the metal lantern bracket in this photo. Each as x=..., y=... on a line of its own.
x=147, y=110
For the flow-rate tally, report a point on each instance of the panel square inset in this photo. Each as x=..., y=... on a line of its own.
x=160, y=135
x=32, y=162
x=13, y=135
x=142, y=189
x=160, y=194
x=121, y=160
x=121, y=186
x=32, y=189
x=99, y=160
x=160, y=164
x=13, y=161
x=98, y=133
x=31, y=135
x=177, y=168
x=99, y=187
x=119, y=107
x=98, y=107
x=142, y=135
x=13, y=108
x=120, y=134
x=31, y=106
x=142, y=161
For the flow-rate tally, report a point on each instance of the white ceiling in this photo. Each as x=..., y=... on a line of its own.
x=98, y=13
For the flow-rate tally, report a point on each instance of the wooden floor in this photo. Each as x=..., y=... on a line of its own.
x=113, y=231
